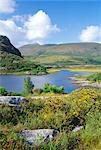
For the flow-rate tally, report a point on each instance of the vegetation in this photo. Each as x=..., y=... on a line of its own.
x=28, y=86
x=63, y=113
x=94, y=77
x=4, y=92
x=29, y=89
x=11, y=60
x=12, y=63
x=63, y=55
x=52, y=89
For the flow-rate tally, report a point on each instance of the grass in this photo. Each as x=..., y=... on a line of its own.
x=94, y=77
x=78, y=68
x=83, y=70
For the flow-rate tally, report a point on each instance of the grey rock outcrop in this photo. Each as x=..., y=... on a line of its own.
x=12, y=100
x=38, y=136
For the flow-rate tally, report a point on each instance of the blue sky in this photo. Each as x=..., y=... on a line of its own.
x=76, y=21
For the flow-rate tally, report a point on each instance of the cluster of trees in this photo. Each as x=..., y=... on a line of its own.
x=39, y=69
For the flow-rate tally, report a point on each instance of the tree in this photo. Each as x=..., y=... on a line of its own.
x=28, y=86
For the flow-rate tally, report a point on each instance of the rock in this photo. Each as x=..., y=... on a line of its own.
x=12, y=100
x=38, y=136
x=77, y=128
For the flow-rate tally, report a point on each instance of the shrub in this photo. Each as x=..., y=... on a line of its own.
x=51, y=88
x=37, y=91
x=39, y=69
x=3, y=91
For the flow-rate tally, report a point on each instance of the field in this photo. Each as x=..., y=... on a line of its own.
x=78, y=68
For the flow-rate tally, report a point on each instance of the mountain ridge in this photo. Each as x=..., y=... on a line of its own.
x=68, y=53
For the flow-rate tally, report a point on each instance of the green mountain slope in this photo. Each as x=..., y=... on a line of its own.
x=9, y=55
x=63, y=54
x=11, y=60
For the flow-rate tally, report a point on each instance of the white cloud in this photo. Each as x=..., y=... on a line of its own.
x=12, y=31
x=39, y=26
x=35, y=28
x=7, y=6
x=20, y=19
x=91, y=34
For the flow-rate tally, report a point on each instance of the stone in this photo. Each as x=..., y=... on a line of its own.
x=12, y=100
x=77, y=128
x=38, y=136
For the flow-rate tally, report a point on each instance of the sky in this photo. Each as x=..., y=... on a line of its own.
x=50, y=21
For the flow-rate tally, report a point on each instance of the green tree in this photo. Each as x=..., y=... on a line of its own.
x=28, y=86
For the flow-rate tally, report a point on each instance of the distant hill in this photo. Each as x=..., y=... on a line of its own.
x=63, y=54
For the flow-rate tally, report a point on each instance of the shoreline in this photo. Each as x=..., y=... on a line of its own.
x=74, y=70
x=22, y=73
x=85, y=83
x=52, y=70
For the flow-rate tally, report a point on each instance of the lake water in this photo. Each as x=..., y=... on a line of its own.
x=15, y=83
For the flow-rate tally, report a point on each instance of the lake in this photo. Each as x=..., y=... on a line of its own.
x=16, y=83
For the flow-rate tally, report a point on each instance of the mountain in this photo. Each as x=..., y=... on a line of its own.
x=6, y=46
x=63, y=54
x=11, y=60
x=9, y=55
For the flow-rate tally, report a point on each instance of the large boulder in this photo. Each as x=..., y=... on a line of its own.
x=12, y=100
x=38, y=136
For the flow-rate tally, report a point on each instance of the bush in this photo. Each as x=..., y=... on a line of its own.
x=37, y=91
x=3, y=91
x=39, y=69
x=54, y=89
